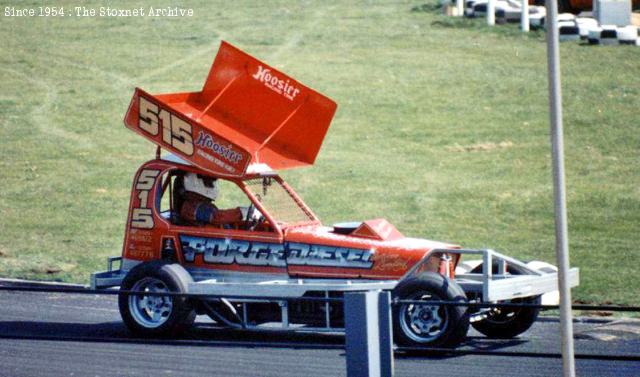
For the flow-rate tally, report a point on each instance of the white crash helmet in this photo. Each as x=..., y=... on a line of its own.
x=204, y=186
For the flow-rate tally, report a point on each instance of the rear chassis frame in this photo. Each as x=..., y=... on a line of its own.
x=243, y=293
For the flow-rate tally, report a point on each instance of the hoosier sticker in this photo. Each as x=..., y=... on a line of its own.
x=281, y=86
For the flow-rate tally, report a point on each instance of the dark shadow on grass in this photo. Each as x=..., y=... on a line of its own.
x=427, y=8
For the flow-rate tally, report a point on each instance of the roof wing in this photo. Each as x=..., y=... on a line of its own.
x=247, y=113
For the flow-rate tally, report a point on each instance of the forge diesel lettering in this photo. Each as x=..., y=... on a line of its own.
x=227, y=251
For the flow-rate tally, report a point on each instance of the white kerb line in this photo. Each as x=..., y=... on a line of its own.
x=491, y=12
x=524, y=16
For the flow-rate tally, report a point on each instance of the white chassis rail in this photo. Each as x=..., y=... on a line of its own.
x=492, y=286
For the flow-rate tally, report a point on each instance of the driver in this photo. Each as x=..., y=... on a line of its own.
x=197, y=206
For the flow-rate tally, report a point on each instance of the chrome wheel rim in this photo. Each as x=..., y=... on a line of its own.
x=423, y=323
x=150, y=311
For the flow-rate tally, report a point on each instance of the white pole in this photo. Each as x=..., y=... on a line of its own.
x=491, y=12
x=524, y=17
x=459, y=8
x=368, y=334
x=557, y=152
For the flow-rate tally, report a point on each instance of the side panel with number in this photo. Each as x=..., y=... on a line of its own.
x=141, y=239
x=141, y=214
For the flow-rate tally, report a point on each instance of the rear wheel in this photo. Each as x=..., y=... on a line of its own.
x=156, y=315
x=505, y=323
x=427, y=325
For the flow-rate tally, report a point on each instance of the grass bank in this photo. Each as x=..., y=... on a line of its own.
x=442, y=128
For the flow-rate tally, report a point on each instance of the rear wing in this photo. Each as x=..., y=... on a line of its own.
x=247, y=115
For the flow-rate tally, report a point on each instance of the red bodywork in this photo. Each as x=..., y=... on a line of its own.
x=248, y=120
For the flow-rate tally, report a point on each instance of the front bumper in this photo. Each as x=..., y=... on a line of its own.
x=502, y=286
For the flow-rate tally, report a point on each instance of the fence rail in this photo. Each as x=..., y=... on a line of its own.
x=509, y=305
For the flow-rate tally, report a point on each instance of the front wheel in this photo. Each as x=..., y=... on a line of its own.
x=155, y=315
x=427, y=325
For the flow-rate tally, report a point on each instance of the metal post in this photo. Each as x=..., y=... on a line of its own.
x=491, y=12
x=524, y=17
x=368, y=337
x=557, y=152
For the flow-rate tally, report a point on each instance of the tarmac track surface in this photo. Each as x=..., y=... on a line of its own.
x=60, y=334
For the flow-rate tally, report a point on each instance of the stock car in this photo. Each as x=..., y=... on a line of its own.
x=249, y=121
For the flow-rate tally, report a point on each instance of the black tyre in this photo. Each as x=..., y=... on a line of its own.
x=505, y=323
x=155, y=316
x=416, y=325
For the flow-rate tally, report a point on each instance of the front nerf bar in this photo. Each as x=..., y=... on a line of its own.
x=503, y=286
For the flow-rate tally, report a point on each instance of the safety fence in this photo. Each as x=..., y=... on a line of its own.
x=87, y=291
x=471, y=304
x=368, y=323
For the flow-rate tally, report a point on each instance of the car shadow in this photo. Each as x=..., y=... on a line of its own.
x=199, y=335
x=209, y=335
x=471, y=346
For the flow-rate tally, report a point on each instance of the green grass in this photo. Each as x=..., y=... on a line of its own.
x=442, y=128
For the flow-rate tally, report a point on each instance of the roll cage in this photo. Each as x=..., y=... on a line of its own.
x=280, y=205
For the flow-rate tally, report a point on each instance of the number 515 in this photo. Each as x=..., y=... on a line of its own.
x=175, y=131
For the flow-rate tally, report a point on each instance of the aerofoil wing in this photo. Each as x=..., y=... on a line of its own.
x=247, y=113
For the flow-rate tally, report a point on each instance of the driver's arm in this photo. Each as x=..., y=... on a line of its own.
x=204, y=212
x=226, y=216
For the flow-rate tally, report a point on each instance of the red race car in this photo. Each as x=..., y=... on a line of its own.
x=213, y=217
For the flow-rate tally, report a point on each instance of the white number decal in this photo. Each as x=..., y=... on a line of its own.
x=148, y=116
x=141, y=216
x=182, y=139
x=175, y=131
x=146, y=179
x=143, y=196
x=165, y=117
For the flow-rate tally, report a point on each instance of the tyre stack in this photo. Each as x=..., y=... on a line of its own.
x=628, y=35
x=570, y=27
x=505, y=10
x=568, y=31
x=613, y=35
x=584, y=25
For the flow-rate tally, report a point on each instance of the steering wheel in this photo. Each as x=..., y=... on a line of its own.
x=252, y=222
